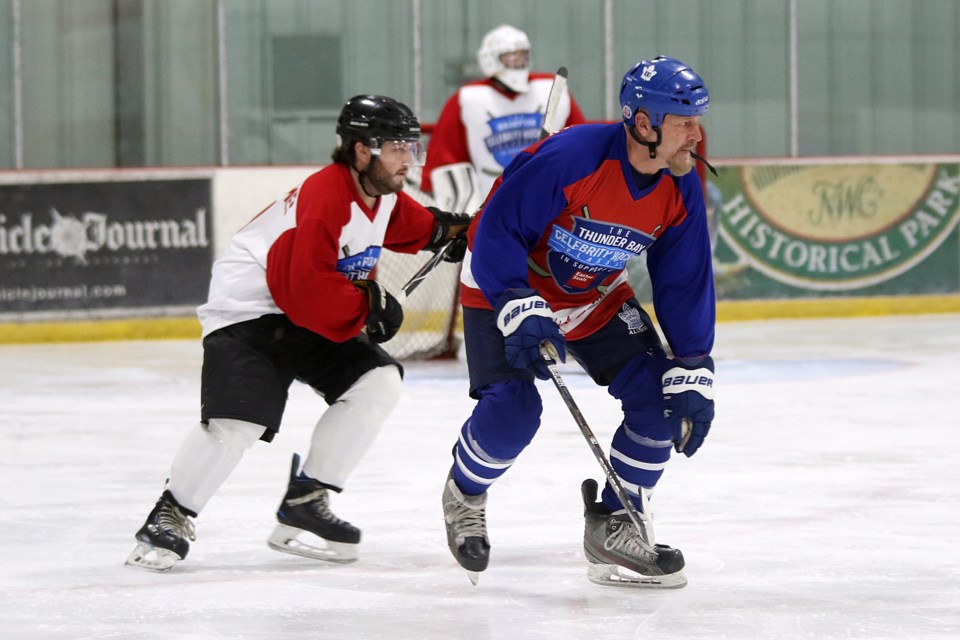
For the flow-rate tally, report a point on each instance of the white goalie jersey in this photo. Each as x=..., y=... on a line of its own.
x=484, y=127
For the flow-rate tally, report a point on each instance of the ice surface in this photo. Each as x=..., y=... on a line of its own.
x=824, y=504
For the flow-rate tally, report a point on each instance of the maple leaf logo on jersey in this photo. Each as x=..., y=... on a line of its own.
x=631, y=317
x=648, y=73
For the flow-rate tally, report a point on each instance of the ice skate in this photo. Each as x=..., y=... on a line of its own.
x=617, y=554
x=164, y=539
x=307, y=527
x=466, y=521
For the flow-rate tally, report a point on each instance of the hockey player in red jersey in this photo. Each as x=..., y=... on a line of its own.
x=293, y=298
x=545, y=264
x=487, y=122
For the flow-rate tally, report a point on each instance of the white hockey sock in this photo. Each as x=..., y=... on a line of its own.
x=207, y=457
x=349, y=426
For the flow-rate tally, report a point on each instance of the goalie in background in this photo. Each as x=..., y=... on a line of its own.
x=545, y=265
x=487, y=122
x=293, y=298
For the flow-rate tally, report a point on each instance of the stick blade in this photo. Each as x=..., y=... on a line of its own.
x=553, y=101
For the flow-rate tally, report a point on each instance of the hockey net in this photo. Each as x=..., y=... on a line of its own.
x=431, y=313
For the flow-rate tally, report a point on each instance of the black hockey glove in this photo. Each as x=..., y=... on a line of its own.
x=450, y=226
x=385, y=315
x=688, y=401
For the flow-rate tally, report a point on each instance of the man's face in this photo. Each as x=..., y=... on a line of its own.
x=395, y=158
x=519, y=59
x=680, y=136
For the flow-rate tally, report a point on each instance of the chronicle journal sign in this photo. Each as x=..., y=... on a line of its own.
x=840, y=227
x=89, y=246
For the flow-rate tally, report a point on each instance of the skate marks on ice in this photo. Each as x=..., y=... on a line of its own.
x=818, y=508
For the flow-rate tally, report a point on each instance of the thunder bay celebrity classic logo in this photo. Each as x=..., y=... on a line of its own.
x=840, y=227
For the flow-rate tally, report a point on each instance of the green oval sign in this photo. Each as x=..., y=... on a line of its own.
x=840, y=227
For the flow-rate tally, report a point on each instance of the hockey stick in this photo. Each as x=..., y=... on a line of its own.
x=420, y=275
x=553, y=101
x=423, y=272
x=640, y=520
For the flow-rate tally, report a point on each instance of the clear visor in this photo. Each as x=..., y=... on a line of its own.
x=407, y=151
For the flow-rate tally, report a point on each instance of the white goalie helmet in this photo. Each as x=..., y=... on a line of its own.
x=505, y=39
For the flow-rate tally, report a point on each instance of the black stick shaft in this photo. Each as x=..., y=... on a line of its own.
x=643, y=525
x=422, y=273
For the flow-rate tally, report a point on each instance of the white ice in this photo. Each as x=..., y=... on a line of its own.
x=824, y=504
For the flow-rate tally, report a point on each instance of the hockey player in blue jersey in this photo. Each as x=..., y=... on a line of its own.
x=546, y=264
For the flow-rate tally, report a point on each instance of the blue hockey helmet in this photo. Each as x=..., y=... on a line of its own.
x=662, y=86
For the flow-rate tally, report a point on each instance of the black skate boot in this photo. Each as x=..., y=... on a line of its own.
x=305, y=511
x=164, y=539
x=611, y=543
x=466, y=521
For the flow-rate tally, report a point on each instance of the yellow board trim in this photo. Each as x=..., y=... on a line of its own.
x=100, y=330
x=727, y=311
x=735, y=310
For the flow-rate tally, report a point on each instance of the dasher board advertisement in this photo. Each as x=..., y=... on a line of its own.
x=100, y=246
x=827, y=230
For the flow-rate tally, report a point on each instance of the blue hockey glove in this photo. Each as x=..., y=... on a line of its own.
x=526, y=320
x=688, y=401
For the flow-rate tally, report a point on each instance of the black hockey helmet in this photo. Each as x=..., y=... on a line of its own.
x=374, y=119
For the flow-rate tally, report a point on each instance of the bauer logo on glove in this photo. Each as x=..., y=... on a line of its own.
x=687, y=381
x=527, y=307
x=526, y=322
x=688, y=402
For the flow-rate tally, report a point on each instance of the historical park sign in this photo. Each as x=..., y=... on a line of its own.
x=839, y=227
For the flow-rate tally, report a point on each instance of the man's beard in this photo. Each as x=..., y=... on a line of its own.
x=680, y=163
x=381, y=181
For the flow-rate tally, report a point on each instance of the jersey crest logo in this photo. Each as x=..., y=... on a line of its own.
x=359, y=265
x=512, y=134
x=582, y=258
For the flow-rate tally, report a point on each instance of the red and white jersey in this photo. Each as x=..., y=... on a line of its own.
x=301, y=255
x=485, y=126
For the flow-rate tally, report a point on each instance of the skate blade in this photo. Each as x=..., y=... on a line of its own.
x=151, y=558
x=286, y=539
x=612, y=575
x=474, y=577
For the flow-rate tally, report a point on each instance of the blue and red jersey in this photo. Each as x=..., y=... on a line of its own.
x=565, y=218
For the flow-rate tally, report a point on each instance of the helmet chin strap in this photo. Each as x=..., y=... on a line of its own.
x=503, y=87
x=653, y=147
x=361, y=176
x=650, y=145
